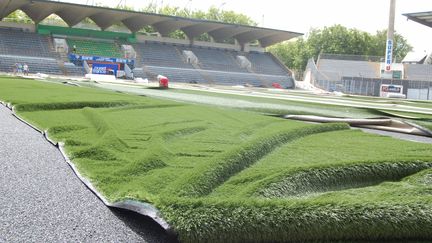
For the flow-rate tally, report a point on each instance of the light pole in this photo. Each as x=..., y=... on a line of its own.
x=188, y=7
x=390, y=35
x=221, y=6
x=221, y=10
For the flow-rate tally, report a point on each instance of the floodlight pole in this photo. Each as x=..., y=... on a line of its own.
x=390, y=36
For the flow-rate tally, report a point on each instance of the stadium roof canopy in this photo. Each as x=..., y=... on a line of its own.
x=73, y=14
x=424, y=18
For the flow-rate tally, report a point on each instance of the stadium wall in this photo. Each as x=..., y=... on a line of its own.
x=25, y=27
x=58, y=30
x=144, y=38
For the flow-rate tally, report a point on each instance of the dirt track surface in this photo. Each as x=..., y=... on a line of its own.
x=43, y=201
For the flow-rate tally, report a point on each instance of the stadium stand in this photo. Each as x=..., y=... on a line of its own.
x=216, y=59
x=94, y=48
x=182, y=75
x=185, y=75
x=421, y=72
x=160, y=54
x=17, y=46
x=264, y=63
x=73, y=70
x=36, y=64
x=215, y=66
x=335, y=69
x=18, y=43
x=139, y=73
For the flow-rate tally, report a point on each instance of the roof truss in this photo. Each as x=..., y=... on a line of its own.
x=73, y=14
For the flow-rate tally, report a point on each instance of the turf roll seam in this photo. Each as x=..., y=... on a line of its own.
x=320, y=180
x=215, y=173
x=68, y=105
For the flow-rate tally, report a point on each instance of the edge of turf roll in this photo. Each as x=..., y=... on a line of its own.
x=139, y=207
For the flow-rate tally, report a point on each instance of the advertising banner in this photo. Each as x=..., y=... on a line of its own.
x=387, y=89
x=105, y=68
x=74, y=57
x=389, y=55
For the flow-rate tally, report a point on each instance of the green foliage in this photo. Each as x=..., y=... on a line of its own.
x=401, y=47
x=337, y=39
x=18, y=16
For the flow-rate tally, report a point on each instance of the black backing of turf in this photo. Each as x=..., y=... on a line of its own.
x=145, y=226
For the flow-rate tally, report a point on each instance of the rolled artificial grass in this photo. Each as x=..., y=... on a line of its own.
x=218, y=174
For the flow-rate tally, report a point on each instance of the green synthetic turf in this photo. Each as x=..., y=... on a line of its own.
x=229, y=175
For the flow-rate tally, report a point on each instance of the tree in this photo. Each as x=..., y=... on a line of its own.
x=19, y=16
x=294, y=54
x=337, y=39
x=400, y=46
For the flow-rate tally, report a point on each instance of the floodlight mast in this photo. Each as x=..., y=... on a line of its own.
x=390, y=36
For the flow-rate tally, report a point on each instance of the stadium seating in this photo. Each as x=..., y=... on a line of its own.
x=182, y=75
x=18, y=43
x=139, y=73
x=72, y=70
x=216, y=59
x=95, y=48
x=162, y=55
x=36, y=64
x=339, y=68
x=418, y=72
x=215, y=66
x=264, y=63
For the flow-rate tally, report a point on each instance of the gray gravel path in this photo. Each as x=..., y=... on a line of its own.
x=41, y=199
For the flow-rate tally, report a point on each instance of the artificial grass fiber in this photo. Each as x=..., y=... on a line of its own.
x=227, y=175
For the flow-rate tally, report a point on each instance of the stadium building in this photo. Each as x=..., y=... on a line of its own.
x=68, y=46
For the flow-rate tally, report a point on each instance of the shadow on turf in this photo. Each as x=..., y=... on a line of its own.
x=146, y=227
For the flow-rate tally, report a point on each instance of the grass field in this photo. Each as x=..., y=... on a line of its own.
x=417, y=112
x=220, y=174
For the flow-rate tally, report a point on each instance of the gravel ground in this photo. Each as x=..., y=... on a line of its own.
x=41, y=199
